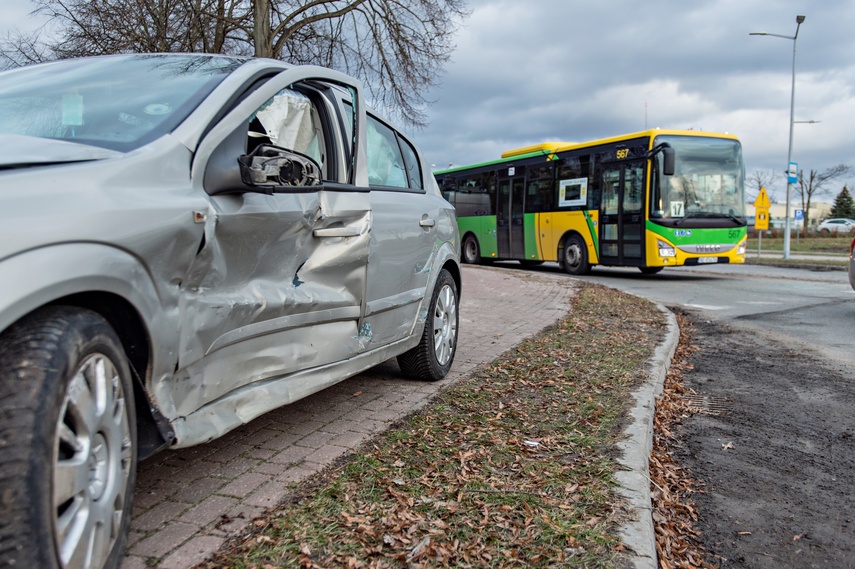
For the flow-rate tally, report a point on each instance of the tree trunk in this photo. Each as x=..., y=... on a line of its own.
x=263, y=41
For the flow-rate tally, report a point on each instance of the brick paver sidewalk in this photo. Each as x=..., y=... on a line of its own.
x=189, y=501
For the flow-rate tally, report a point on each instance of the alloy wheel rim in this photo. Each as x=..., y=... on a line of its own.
x=445, y=325
x=91, y=468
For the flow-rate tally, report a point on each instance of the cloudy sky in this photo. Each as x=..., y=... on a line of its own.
x=530, y=71
x=527, y=72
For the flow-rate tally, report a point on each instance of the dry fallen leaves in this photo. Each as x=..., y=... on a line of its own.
x=678, y=542
x=511, y=468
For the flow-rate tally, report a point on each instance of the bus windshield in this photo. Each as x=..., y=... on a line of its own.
x=708, y=180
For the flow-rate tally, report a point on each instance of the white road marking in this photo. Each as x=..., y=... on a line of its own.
x=706, y=307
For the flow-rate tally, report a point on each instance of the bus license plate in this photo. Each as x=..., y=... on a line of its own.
x=705, y=260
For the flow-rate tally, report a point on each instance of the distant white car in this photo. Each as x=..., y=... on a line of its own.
x=837, y=225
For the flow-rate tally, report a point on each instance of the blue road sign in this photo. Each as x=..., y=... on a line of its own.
x=792, y=173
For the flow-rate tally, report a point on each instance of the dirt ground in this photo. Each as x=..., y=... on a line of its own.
x=775, y=452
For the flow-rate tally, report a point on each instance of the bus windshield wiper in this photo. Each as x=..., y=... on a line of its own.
x=685, y=217
x=706, y=214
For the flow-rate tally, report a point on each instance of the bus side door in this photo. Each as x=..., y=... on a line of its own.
x=622, y=214
x=510, y=230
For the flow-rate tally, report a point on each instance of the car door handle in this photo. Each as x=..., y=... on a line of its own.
x=336, y=232
x=427, y=222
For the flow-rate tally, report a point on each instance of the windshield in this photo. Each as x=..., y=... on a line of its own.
x=116, y=102
x=708, y=180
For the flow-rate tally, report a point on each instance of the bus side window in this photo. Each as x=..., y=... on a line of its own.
x=471, y=198
x=586, y=171
x=449, y=189
x=540, y=192
x=488, y=188
x=573, y=167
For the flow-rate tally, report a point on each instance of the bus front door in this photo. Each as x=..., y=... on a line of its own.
x=622, y=215
x=510, y=231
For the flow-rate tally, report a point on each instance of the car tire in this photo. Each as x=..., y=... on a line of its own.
x=574, y=256
x=67, y=437
x=471, y=250
x=431, y=359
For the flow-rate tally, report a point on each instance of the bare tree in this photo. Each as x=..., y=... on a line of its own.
x=761, y=179
x=815, y=184
x=397, y=47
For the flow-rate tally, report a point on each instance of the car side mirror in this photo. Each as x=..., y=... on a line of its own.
x=278, y=168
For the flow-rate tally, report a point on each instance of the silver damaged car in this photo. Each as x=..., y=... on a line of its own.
x=188, y=242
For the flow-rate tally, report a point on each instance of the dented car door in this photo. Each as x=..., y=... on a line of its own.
x=278, y=283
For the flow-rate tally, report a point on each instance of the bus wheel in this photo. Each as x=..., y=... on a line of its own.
x=471, y=250
x=69, y=441
x=650, y=270
x=575, y=256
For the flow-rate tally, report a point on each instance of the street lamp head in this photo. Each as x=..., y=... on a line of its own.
x=800, y=19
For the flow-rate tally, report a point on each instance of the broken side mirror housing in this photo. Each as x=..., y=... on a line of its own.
x=274, y=167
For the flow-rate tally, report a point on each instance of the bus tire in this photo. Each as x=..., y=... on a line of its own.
x=574, y=256
x=67, y=441
x=431, y=359
x=471, y=250
x=650, y=270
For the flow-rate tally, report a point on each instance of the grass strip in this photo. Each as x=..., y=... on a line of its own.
x=511, y=467
x=831, y=245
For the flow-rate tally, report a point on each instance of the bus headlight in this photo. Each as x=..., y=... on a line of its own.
x=741, y=249
x=665, y=250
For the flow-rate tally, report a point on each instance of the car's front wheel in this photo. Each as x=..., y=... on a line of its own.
x=67, y=441
x=432, y=358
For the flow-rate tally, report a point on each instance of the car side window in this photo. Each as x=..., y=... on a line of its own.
x=289, y=120
x=385, y=160
x=411, y=162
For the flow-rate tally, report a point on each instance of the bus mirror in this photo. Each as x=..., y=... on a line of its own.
x=668, y=161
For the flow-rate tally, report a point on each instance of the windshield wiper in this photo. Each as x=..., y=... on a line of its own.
x=685, y=217
x=709, y=215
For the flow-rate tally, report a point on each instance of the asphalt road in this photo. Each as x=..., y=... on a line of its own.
x=774, y=443
x=813, y=310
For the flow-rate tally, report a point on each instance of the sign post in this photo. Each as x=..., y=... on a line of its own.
x=799, y=215
x=761, y=216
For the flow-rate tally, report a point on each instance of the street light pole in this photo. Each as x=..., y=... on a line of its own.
x=799, y=20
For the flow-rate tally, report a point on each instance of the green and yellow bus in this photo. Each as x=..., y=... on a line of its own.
x=651, y=199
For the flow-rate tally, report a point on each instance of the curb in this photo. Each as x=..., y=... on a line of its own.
x=633, y=480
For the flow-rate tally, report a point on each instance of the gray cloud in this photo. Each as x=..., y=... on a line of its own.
x=526, y=72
